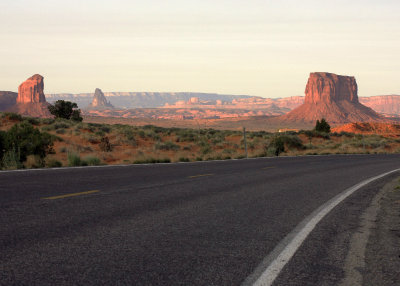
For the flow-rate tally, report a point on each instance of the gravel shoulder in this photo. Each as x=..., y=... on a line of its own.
x=382, y=257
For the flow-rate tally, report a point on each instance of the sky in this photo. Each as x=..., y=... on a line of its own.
x=253, y=47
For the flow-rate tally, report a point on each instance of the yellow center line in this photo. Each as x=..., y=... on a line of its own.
x=70, y=195
x=203, y=175
x=265, y=168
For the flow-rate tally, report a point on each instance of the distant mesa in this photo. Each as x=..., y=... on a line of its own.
x=31, y=100
x=99, y=101
x=333, y=97
x=7, y=99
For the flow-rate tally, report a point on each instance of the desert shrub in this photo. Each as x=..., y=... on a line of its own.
x=205, y=149
x=105, y=144
x=166, y=146
x=99, y=133
x=92, y=161
x=65, y=109
x=187, y=148
x=34, y=161
x=276, y=145
x=60, y=124
x=184, y=159
x=75, y=160
x=60, y=131
x=11, y=160
x=53, y=163
x=12, y=116
x=186, y=136
x=199, y=159
x=105, y=128
x=152, y=161
x=32, y=120
x=322, y=126
x=372, y=142
x=47, y=120
x=27, y=140
x=129, y=134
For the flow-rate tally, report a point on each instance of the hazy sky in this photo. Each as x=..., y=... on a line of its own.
x=264, y=48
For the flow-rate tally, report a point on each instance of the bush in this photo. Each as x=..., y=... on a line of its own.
x=105, y=144
x=74, y=160
x=167, y=146
x=277, y=145
x=11, y=160
x=27, y=140
x=184, y=159
x=92, y=161
x=152, y=161
x=322, y=126
x=65, y=109
x=53, y=163
x=12, y=116
x=34, y=161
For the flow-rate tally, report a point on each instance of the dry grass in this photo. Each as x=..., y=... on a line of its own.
x=134, y=144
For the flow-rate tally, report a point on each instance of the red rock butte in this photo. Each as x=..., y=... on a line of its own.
x=333, y=97
x=31, y=100
x=31, y=90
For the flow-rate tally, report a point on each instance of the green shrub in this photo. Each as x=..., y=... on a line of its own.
x=32, y=120
x=65, y=109
x=28, y=141
x=60, y=131
x=75, y=160
x=167, y=146
x=322, y=126
x=11, y=160
x=184, y=159
x=92, y=161
x=276, y=146
x=152, y=161
x=12, y=116
x=53, y=163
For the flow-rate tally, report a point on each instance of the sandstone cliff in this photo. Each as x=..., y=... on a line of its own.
x=334, y=98
x=99, y=101
x=389, y=105
x=31, y=100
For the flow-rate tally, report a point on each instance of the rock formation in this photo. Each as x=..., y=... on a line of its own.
x=31, y=90
x=333, y=97
x=31, y=100
x=100, y=101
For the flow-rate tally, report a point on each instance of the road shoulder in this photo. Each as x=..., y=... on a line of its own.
x=372, y=246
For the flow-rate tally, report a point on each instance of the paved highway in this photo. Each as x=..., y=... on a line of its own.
x=204, y=223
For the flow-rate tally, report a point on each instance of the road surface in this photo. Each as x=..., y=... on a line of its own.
x=203, y=223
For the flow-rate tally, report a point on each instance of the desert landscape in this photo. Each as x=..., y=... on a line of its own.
x=150, y=135
x=188, y=142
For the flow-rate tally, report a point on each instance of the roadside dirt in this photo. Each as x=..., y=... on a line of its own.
x=374, y=253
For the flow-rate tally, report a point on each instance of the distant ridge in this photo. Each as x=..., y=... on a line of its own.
x=130, y=100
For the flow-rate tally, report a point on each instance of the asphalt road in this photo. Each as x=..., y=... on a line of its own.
x=205, y=223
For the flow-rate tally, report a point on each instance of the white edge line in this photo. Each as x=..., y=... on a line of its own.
x=268, y=270
x=173, y=163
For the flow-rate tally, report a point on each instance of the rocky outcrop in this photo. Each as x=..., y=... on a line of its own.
x=333, y=97
x=31, y=100
x=7, y=99
x=31, y=90
x=99, y=101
